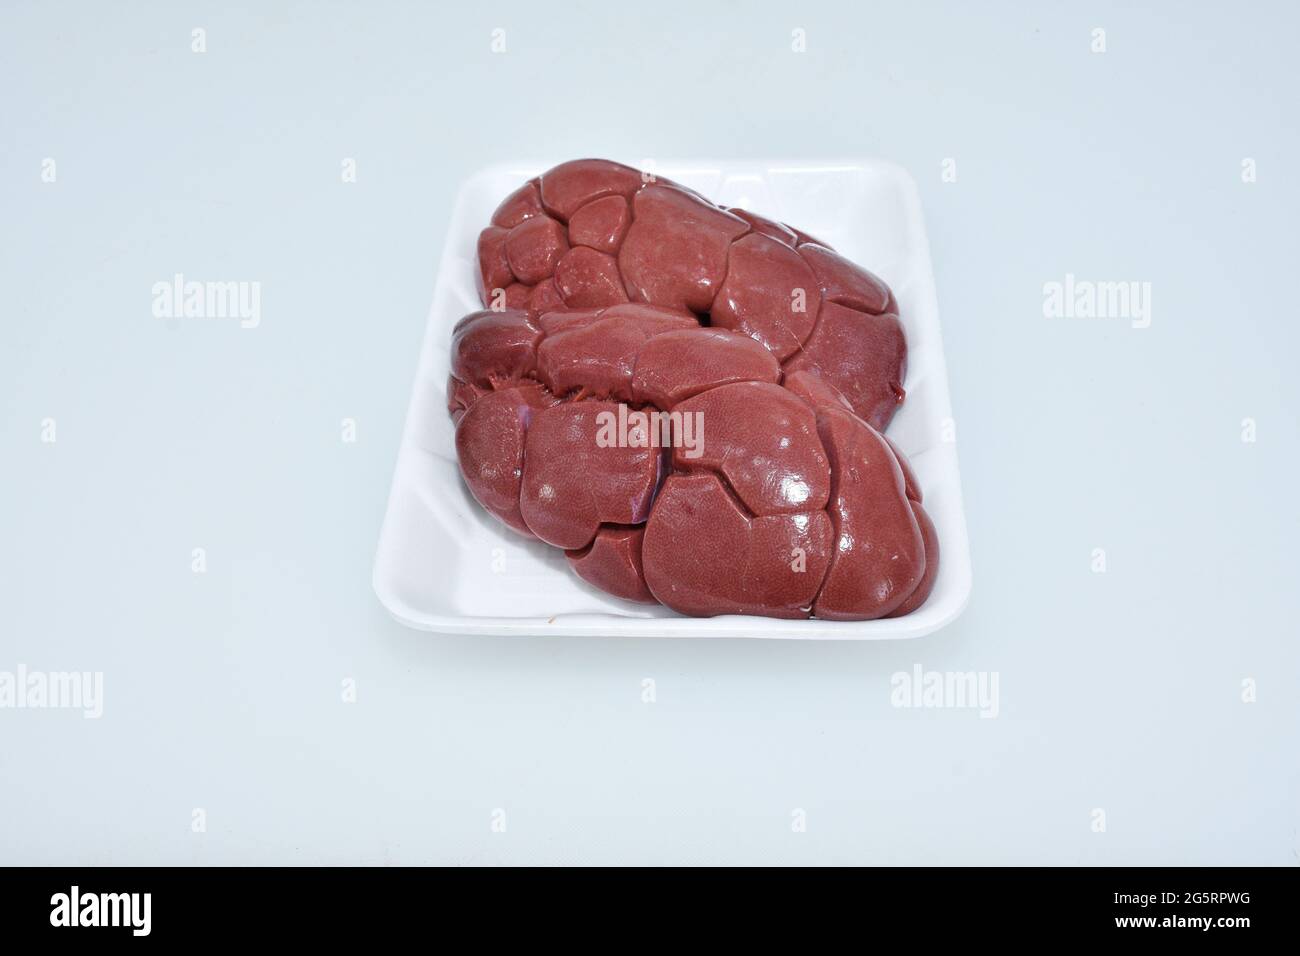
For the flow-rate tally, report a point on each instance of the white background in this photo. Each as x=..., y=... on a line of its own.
x=1119, y=691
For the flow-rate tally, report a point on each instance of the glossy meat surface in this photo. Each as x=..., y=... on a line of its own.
x=690, y=401
x=591, y=233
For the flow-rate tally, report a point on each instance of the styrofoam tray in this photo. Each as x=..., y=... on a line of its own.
x=445, y=565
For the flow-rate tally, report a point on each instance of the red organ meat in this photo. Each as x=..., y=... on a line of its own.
x=690, y=401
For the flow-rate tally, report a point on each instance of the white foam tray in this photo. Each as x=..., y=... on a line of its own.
x=445, y=565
